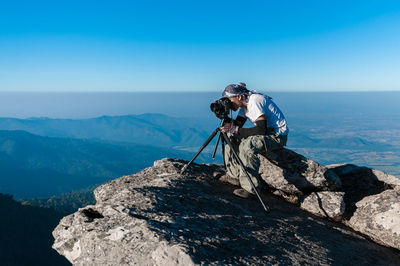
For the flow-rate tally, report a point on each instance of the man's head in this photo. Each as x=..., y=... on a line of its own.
x=236, y=93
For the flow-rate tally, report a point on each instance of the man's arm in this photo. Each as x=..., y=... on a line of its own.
x=239, y=121
x=259, y=129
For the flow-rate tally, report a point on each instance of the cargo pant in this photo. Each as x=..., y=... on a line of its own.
x=247, y=151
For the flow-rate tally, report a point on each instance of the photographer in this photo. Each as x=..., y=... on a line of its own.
x=268, y=135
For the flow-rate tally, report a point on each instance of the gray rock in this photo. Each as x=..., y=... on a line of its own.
x=112, y=233
x=378, y=216
x=360, y=182
x=293, y=173
x=159, y=217
x=348, y=169
x=325, y=204
x=292, y=198
x=372, y=202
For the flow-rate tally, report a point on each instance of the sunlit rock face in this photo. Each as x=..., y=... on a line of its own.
x=328, y=204
x=161, y=217
x=378, y=216
x=372, y=200
x=292, y=173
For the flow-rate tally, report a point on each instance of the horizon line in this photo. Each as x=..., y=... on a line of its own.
x=200, y=91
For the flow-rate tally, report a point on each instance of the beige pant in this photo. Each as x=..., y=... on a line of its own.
x=247, y=151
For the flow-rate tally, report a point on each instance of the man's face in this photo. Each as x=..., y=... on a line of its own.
x=235, y=102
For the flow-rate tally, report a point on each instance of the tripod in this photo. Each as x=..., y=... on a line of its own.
x=228, y=141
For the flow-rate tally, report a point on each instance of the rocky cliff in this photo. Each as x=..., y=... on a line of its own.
x=160, y=217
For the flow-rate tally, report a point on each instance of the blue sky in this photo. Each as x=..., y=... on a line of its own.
x=199, y=45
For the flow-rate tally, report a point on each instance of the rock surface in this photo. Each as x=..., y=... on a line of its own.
x=372, y=202
x=325, y=204
x=159, y=217
x=294, y=174
x=378, y=217
x=338, y=192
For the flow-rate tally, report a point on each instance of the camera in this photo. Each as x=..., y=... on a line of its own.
x=221, y=107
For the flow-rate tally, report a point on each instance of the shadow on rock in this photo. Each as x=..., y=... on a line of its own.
x=358, y=183
x=216, y=227
x=294, y=168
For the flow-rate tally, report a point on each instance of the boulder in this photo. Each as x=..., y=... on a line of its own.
x=325, y=204
x=292, y=173
x=378, y=216
x=360, y=182
x=350, y=169
x=115, y=231
x=93, y=236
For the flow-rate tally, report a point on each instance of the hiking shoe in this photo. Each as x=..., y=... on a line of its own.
x=228, y=179
x=217, y=174
x=242, y=193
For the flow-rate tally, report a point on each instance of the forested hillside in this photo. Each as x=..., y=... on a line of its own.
x=36, y=166
x=66, y=203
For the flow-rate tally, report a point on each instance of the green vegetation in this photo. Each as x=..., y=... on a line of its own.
x=66, y=203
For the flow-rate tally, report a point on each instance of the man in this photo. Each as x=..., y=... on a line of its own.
x=268, y=135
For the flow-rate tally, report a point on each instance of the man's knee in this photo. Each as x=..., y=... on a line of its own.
x=252, y=144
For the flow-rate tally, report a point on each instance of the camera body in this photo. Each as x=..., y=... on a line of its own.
x=221, y=108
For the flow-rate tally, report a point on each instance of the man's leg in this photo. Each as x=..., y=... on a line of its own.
x=248, y=150
x=232, y=166
x=273, y=143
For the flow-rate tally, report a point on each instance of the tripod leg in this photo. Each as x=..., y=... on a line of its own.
x=201, y=149
x=227, y=140
x=223, y=151
x=216, y=145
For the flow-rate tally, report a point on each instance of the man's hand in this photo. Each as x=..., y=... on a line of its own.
x=229, y=128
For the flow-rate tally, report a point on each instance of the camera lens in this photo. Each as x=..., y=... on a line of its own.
x=221, y=107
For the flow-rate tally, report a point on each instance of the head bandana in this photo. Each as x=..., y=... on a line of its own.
x=235, y=89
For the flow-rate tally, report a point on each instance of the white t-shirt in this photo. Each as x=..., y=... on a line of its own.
x=259, y=105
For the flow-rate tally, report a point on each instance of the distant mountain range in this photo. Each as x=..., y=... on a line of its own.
x=147, y=129
x=61, y=155
x=36, y=166
x=163, y=131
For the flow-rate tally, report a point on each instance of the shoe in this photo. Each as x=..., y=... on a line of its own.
x=217, y=174
x=242, y=193
x=228, y=179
